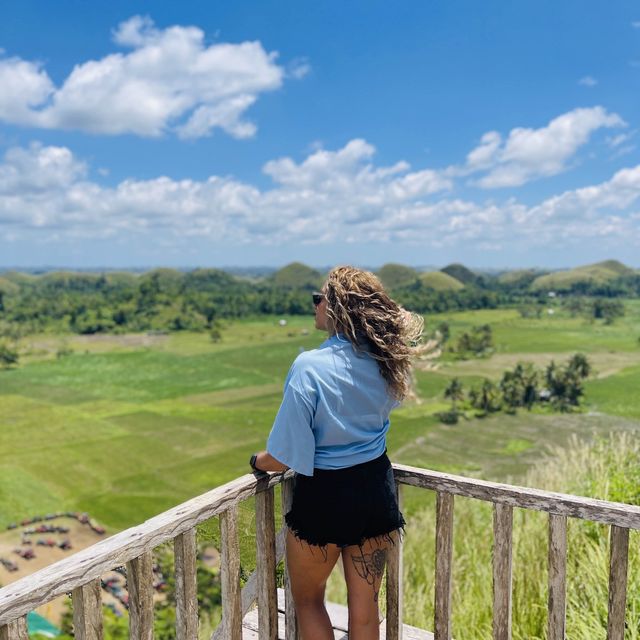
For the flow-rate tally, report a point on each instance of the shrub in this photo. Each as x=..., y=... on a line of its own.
x=9, y=355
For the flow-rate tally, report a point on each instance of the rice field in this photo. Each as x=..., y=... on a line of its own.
x=127, y=426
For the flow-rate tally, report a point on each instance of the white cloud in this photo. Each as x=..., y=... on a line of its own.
x=38, y=169
x=617, y=194
x=528, y=154
x=24, y=85
x=310, y=200
x=617, y=140
x=298, y=68
x=330, y=196
x=484, y=155
x=169, y=81
x=135, y=32
x=588, y=81
x=621, y=144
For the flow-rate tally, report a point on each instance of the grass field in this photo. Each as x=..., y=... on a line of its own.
x=127, y=426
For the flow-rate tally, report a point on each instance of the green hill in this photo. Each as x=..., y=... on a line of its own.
x=6, y=286
x=441, y=281
x=166, y=281
x=396, y=275
x=297, y=276
x=69, y=281
x=209, y=280
x=462, y=274
x=124, y=277
x=19, y=278
x=518, y=277
x=598, y=273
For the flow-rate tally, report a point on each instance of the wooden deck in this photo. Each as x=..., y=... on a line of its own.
x=339, y=618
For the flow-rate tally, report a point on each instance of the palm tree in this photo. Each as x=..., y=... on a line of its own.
x=580, y=364
x=486, y=399
x=454, y=392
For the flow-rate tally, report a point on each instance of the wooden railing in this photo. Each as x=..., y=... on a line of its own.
x=80, y=573
x=504, y=497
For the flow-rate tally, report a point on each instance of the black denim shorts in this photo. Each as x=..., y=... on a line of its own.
x=345, y=506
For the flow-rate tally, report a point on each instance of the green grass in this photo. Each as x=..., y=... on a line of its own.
x=558, y=333
x=608, y=469
x=125, y=430
x=617, y=394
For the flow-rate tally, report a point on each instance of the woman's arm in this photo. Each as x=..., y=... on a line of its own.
x=266, y=462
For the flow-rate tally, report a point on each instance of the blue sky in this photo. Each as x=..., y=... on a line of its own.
x=256, y=133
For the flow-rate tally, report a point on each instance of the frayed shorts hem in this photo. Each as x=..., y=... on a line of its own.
x=378, y=538
x=346, y=507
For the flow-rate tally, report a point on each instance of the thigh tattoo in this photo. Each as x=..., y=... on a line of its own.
x=370, y=567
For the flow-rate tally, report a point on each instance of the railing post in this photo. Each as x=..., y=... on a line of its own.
x=557, y=577
x=140, y=586
x=502, y=559
x=291, y=622
x=619, y=555
x=184, y=547
x=266, y=566
x=394, y=583
x=87, y=611
x=16, y=630
x=444, y=556
x=230, y=574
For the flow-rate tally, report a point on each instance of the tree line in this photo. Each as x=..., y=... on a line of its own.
x=558, y=386
x=171, y=300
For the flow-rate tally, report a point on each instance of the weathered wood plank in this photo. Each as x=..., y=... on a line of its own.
x=28, y=593
x=502, y=574
x=184, y=547
x=87, y=611
x=250, y=589
x=140, y=587
x=619, y=557
x=444, y=557
x=291, y=621
x=338, y=615
x=230, y=575
x=557, y=604
x=15, y=630
x=561, y=504
x=266, y=566
x=393, y=624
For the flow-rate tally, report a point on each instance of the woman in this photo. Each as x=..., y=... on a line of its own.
x=331, y=430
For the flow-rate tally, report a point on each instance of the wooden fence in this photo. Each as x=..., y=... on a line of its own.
x=80, y=574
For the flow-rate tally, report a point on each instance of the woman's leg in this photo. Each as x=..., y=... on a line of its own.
x=309, y=568
x=363, y=568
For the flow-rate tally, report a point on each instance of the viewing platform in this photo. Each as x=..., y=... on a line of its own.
x=274, y=618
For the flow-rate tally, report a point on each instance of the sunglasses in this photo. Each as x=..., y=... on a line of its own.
x=317, y=298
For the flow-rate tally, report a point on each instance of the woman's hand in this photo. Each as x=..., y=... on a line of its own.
x=266, y=462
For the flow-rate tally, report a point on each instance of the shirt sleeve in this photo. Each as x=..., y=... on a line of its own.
x=291, y=440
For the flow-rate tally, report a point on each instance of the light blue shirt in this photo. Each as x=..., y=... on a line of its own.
x=335, y=410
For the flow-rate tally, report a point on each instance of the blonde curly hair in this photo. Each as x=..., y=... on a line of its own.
x=359, y=308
